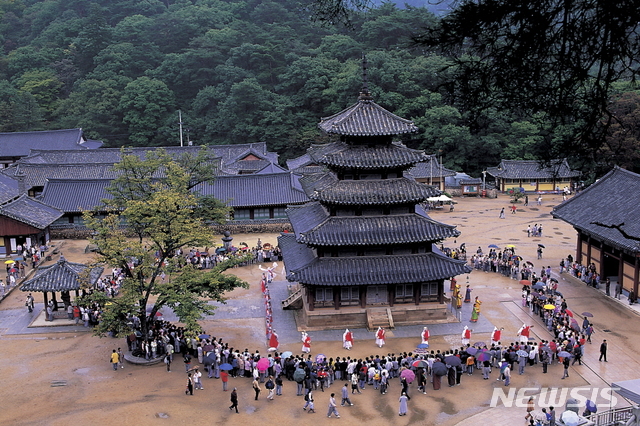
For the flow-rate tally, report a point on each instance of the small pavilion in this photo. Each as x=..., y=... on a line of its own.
x=62, y=277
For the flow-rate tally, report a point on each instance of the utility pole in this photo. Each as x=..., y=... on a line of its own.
x=180, y=122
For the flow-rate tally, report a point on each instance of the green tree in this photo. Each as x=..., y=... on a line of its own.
x=151, y=198
x=145, y=105
x=19, y=111
x=43, y=85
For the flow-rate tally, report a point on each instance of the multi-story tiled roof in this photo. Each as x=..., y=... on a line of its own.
x=612, y=200
x=304, y=267
x=63, y=276
x=366, y=118
x=314, y=226
x=18, y=144
x=531, y=169
x=30, y=211
x=327, y=188
x=341, y=155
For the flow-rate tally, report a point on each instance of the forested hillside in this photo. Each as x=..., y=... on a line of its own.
x=240, y=71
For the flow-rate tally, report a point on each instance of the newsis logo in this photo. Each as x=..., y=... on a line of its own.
x=556, y=397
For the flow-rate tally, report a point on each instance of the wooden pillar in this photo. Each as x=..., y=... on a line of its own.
x=601, y=271
x=417, y=288
x=579, y=247
x=621, y=268
x=55, y=301
x=46, y=300
x=363, y=296
x=311, y=297
x=391, y=290
x=441, y=291
x=336, y=297
x=636, y=275
x=588, y=250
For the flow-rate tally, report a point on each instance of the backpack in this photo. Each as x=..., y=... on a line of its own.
x=306, y=397
x=269, y=384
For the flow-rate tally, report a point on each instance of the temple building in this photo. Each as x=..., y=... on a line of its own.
x=363, y=249
x=605, y=217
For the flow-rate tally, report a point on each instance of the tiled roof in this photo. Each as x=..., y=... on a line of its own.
x=531, y=169
x=37, y=174
x=366, y=118
x=74, y=196
x=315, y=227
x=271, y=168
x=30, y=211
x=62, y=276
x=327, y=188
x=254, y=190
x=8, y=188
x=18, y=144
x=99, y=156
x=612, y=200
x=381, y=157
x=430, y=168
x=302, y=267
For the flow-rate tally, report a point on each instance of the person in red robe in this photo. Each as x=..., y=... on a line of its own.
x=524, y=333
x=496, y=336
x=380, y=336
x=306, y=342
x=347, y=340
x=425, y=336
x=273, y=341
x=466, y=335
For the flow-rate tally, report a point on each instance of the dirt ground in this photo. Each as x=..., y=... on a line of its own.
x=96, y=394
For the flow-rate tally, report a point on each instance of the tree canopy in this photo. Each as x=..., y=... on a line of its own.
x=155, y=216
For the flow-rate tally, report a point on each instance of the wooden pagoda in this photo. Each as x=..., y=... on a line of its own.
x=363, y=249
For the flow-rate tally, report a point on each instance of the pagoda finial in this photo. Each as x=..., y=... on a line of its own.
x=364, y=93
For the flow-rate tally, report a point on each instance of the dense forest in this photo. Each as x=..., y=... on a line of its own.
x=248, y=71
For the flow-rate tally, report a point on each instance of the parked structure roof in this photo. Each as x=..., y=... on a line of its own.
x=430, y=168
x=343, y=155
x=613, y=200
x=75, y=196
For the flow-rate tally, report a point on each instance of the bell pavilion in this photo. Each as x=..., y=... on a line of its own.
x=363, y=249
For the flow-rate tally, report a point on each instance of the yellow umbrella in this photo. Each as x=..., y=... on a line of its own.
x=549, y=306
x=510, y=246
x=10, y=261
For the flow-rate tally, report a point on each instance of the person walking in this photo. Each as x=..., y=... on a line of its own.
x=189, y=390
x=618, y=290
x=502, y=214
x=507, y=375
x=530, y=407
x=120, y=358
x=256, y=387
x=565, y=363
x=308, y=400
x=29, y=303
x=167, y=360
x=345, y=395
x=279, y=385
x=234, y=400
x=603, y=351
x=403, y=404
x=271, y=387
x=332, y=406
x=114, y=360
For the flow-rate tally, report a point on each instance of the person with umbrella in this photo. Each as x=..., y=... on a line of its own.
x=347, y=340
x=380, y=337
x=224, y=376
